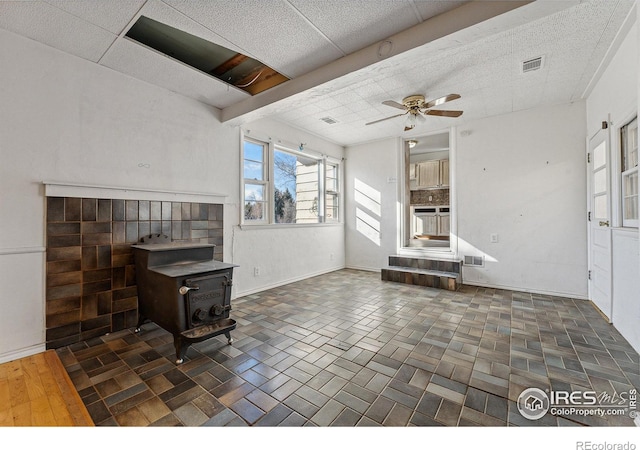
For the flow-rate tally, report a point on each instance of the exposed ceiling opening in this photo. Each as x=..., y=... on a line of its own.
x=226, y=65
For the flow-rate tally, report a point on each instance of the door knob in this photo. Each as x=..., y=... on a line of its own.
x=604, y=223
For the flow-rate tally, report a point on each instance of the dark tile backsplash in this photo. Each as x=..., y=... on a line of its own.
x=439, y=197
x=90, y=282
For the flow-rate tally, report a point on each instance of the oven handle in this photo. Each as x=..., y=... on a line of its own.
x=184, y=289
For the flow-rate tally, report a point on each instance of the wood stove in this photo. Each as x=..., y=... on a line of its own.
x=183, y=290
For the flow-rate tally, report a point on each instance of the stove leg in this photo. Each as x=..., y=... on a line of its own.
x=180, y=349
x=141, y=320
x=229, y=339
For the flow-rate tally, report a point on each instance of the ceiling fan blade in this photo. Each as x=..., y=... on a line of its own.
x=394, y=104
x=386, y=118
x=441, y=100
x=437, y=112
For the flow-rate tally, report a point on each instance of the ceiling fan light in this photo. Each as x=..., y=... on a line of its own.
x=410, y=122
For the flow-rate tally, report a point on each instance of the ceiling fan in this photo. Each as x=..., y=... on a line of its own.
x=416, y=107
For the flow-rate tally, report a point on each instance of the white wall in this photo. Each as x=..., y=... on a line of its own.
x=65, y=119
x=371, y=198
x=615, y=98
x=522, y=176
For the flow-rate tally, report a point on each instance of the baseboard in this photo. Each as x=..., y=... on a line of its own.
x=287, y=281
x=22, y=353
x=520, y=289
x=365, y=268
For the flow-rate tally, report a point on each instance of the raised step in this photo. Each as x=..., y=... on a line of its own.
x=415, y=262
x=421, y=277
x=420, y=271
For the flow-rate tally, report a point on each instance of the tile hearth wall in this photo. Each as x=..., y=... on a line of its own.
x=90, y=273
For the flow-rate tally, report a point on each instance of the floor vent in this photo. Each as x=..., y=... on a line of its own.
x=474, y=261
x=532, y=64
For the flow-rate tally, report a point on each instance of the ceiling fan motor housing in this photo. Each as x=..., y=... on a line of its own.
x=413, y=102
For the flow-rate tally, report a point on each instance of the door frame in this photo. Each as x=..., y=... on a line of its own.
x=591, y=219
x=404, y=206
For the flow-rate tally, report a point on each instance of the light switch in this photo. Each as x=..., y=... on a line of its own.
x=493, y=238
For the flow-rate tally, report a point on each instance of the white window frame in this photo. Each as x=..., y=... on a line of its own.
x=626, y=222
x=269, y=183
x=263, y=182
x=335, y=193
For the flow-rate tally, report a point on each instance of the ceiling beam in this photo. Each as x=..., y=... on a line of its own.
x=467, y=23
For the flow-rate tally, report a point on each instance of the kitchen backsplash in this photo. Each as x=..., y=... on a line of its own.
x=90, y=282
x=438, y=197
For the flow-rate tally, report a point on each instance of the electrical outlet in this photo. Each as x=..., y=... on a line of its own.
x=256, y=271
x=493, y=238
x=331, y=257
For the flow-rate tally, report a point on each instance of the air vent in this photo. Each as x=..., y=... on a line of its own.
x=329, y=120
x=532, y=65
x=474, y=261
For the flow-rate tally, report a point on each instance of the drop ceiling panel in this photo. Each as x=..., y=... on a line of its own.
x=295, y=36
x=271, y=31
x=355, y=24
x=111, y=15
x=136, y=60
x=44, y=23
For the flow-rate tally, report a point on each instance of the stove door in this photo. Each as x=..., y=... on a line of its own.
x=208, y=298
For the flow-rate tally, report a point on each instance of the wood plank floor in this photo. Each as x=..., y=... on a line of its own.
x=37, y=391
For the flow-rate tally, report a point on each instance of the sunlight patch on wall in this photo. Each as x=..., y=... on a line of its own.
x=368, y=226
x=368, y=211
x=367, y=197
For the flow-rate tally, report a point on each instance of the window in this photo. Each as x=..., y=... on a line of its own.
x=332, y=192
x=287, y=186
x=255, y=181
x=629, y=147
x=296, y=187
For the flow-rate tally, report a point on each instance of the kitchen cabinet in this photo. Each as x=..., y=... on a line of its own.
x=430, y=221
x=444, y=224
x=444, y=173
x=432, y=174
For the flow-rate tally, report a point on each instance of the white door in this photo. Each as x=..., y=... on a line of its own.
x=599, y=223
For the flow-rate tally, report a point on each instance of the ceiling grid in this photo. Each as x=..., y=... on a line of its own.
x=302, y=38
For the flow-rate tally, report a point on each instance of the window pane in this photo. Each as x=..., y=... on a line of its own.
x=630, y=196
x=253, y=192
x=254, y=210
x=295, y=179
x=600, y=181
x=600, y=207
x=629, y=135
x=253, y=161
x=600, y=155
x=331, y=182
x=331, y=207
x=253, y=151
x=631, y=208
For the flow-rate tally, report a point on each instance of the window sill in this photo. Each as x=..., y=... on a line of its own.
x=267, y=226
